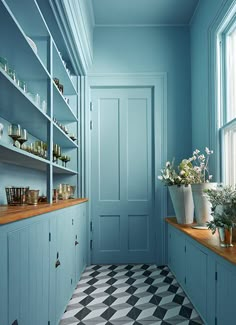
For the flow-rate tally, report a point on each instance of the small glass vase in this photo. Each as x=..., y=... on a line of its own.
x=225, y=236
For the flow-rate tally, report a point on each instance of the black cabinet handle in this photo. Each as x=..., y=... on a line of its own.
x=76, y=242
x=15, y=322
x=58, y=263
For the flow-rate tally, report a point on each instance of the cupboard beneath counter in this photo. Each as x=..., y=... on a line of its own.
x=206, y=272
x=42, y=259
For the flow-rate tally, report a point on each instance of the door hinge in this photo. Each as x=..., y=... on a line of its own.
x=49, y=322
x=91, y=106
x=215, y=320
x=72, y=222
x=91, y=125
x=50, y=237
x=71, y=281
x=185, y=248
x=185, y=279
x=216, y=275
x=91, y=244
x=91, y=226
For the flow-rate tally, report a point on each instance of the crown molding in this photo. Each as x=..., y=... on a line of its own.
x=75, y=20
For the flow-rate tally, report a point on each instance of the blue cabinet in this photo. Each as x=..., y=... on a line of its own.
x=40, y=265
x=210, y=280
x=67, y=259
x=196, y=277
x=82, y=247
x=225, y=294
x=62, y=260
x=176, y=254
x=28, y=269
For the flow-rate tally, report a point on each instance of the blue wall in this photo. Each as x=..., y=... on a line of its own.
x=12, y=175
x=153, y=49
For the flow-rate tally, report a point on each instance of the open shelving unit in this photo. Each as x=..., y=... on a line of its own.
x=38, y=70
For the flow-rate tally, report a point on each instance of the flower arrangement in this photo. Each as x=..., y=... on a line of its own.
x=193, y=170
x=169, y=176
x=223, y=200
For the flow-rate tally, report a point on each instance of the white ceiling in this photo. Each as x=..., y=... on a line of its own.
x=143, y=12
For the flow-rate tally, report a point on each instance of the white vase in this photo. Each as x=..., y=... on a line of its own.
x=202, y=206
x=182, y=200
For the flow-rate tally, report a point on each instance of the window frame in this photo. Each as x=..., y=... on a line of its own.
x=223, y=125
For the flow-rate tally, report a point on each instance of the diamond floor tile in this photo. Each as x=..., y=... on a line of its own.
x=129, y=295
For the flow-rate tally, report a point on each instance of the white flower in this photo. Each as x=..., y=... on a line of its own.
x=182, y=172
x=196, y=152
x=160, y=177
x=210, y=177
x=208, y=151
x=167, y=164
x=201, y=157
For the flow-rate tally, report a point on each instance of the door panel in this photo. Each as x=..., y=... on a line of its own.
x=137, y=149
x=121, y=174
x=109, y=164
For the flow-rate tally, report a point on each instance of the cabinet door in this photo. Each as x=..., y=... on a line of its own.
x=78, y=243
x=196, y=277
x=64, y=260
x=225, y=295
x=176, y=254
x=28, y=264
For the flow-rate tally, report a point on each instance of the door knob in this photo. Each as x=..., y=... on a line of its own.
x=76, y=242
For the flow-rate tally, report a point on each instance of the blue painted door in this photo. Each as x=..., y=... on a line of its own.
x=122, y=176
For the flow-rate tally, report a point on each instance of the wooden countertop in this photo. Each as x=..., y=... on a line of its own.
x=14, y=213
x=205, y=238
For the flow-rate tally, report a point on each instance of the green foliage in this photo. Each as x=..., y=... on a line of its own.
x=223, y=200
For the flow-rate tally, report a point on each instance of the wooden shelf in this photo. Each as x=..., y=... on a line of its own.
x=14, y=213
x=205, y=238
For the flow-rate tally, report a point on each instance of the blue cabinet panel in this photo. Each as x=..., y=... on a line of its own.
x=81, y=231
x=64, y=258
x=176, y=253
x=196, y=277
x=28, y=274
x=225, y=295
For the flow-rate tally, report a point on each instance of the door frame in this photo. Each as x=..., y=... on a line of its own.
x=158, y=83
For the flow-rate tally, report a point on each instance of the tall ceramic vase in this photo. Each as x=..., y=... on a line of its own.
x=182, y=200
x=202, y=205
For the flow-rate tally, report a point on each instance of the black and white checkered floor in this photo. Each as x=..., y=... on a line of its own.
x=129, y=295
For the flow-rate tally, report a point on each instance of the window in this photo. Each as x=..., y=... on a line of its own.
x=227, y=100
